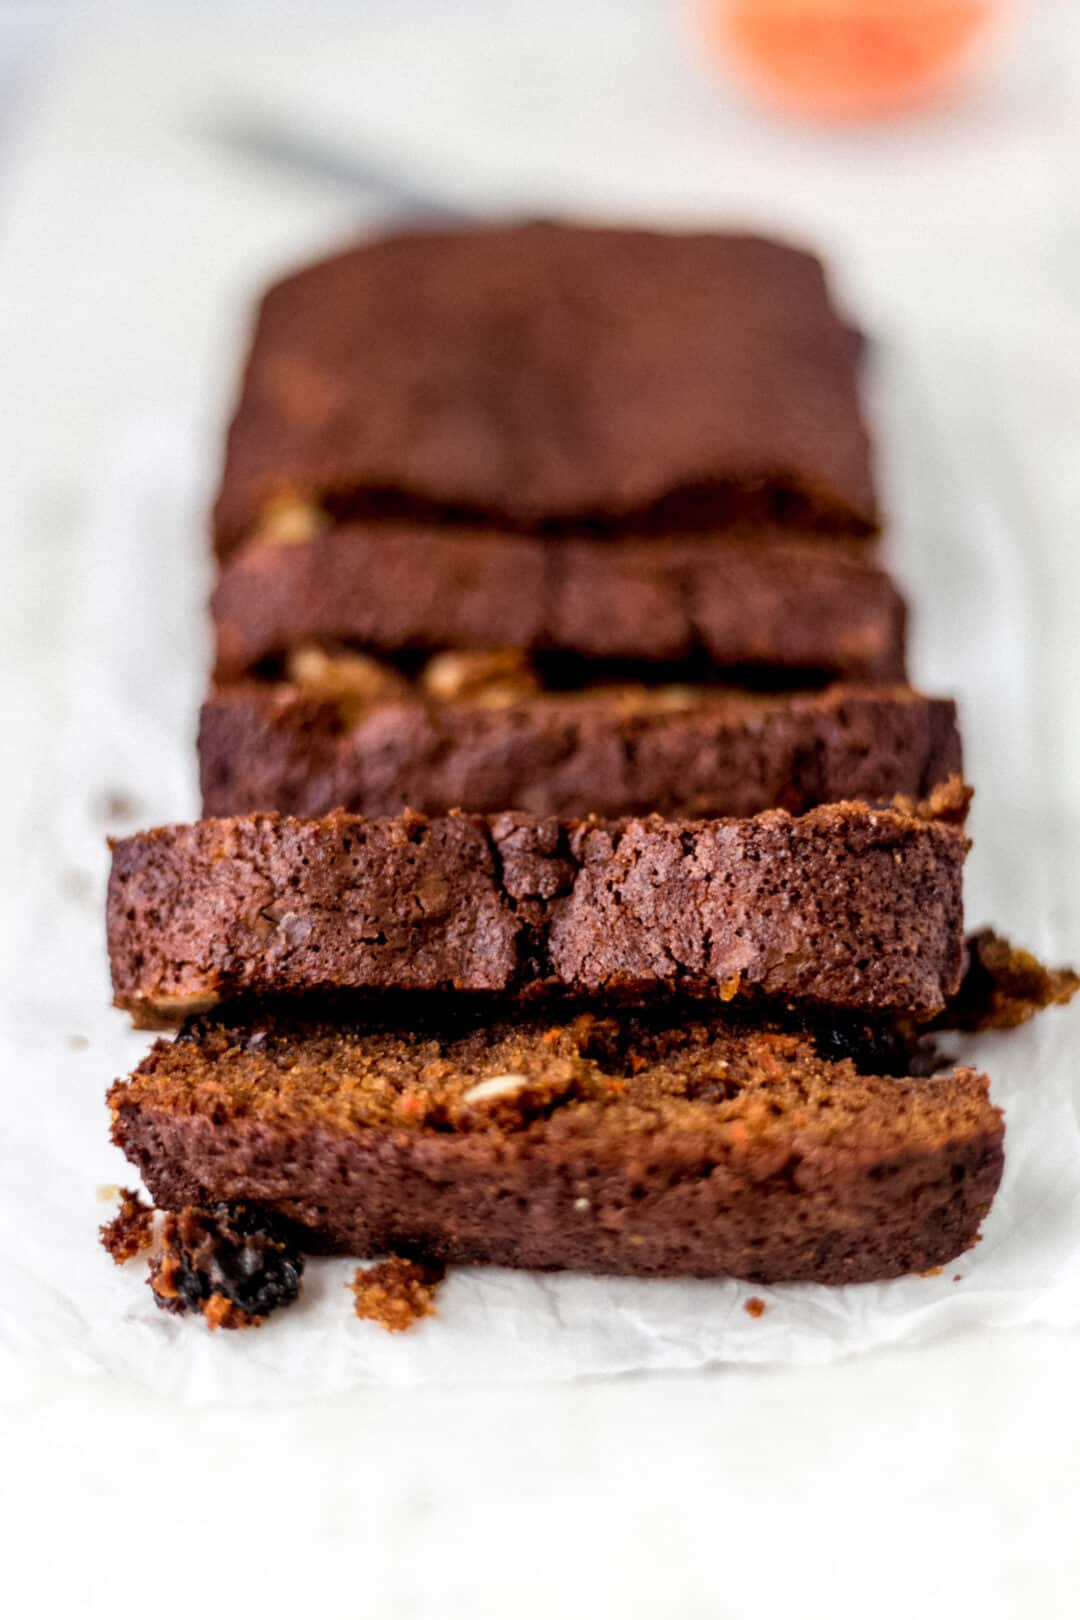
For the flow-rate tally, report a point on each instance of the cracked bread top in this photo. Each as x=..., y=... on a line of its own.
x=844, y=906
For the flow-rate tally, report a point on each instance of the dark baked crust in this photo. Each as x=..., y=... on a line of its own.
x=844, y=906
x=763, y=599
x=540, y=372
x=278, y=747
x=691, y=1149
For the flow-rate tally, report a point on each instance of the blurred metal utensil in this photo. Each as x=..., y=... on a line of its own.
x=253, y=135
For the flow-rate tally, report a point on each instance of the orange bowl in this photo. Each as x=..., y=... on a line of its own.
x=845, y=59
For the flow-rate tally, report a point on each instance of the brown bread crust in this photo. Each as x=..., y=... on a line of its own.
x=845, y=906
x=537, y=373
x=761, y=600
x=693, y=1149
x=269, y=746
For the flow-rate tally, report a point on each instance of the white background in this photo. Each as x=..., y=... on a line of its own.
x=937, y=1480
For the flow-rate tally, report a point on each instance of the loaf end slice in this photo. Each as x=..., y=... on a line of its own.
x=704, y=374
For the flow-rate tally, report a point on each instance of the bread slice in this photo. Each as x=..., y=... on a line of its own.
x=845, y=907
x=743, y=601
x=682, y=1146
x=539, y=373
x=348, y=733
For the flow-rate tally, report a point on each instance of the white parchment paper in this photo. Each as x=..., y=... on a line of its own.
x=117, y=753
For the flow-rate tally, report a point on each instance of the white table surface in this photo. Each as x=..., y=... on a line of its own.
x=943, y=1480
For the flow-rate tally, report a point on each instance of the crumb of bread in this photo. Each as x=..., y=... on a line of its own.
x=396, y=1293
x=1004, y=986
x=131, y=1230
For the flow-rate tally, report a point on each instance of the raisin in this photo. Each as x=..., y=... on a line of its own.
x=226, y=1253
x=872, y=1048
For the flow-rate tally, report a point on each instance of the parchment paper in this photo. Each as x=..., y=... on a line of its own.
x=120, y=755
